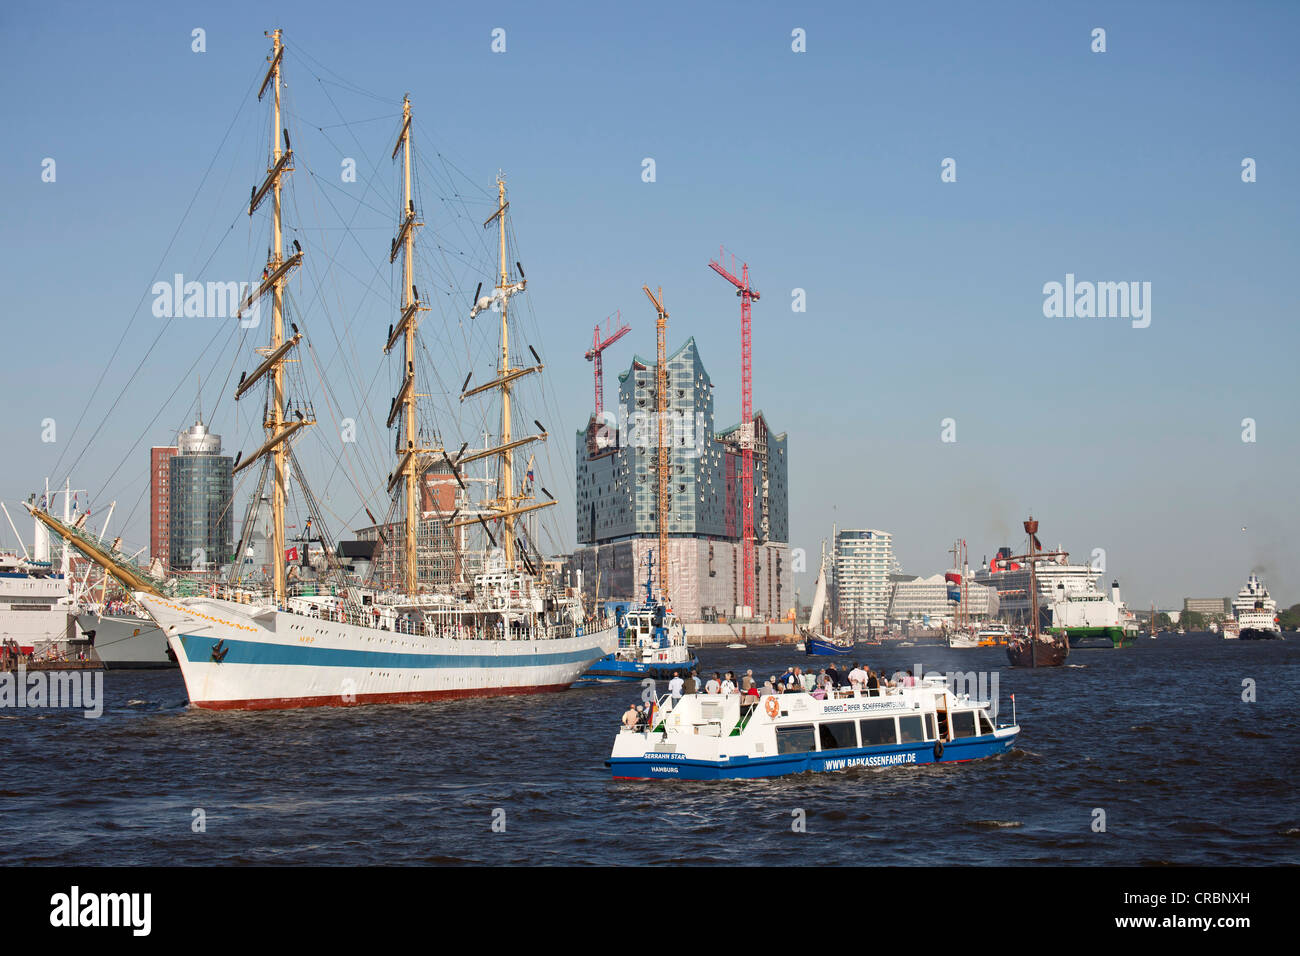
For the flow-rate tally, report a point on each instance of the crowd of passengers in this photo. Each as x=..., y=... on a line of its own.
x=827, y=683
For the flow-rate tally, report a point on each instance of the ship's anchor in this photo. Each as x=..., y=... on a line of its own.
x=219, y=651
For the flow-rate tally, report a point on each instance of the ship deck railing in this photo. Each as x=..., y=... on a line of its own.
x=415, y=623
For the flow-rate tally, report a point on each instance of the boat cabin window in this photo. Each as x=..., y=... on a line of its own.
x=837, y=735
x=795, y=740
x=986, y=725
x=878, y=730
x=933, y=730
x=963, y=723
x=911, y=729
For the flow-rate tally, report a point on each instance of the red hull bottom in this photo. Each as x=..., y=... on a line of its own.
x=405, y=697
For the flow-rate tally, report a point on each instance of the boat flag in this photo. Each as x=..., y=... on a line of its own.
x=530, y=471
x=952, y=577
x=291, y=554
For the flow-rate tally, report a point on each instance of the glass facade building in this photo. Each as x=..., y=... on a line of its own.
x=200, y=527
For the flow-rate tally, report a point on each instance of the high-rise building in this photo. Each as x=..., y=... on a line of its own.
x=200, y=523
x=160, y=483
x=864, y=559
x=617, y=498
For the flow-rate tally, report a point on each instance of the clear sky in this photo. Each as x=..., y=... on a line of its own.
x=820, y=168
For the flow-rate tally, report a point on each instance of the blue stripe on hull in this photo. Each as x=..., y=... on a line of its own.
x=610, y=668
x=669, y=768
x=199, y=649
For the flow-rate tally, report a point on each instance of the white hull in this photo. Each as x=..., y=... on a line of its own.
x=276, y=659
x=126, y=642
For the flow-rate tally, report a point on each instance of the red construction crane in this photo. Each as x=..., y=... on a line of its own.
x=597, y=346
x=746, y=294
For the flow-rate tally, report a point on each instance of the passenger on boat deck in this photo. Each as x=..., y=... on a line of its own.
x=642, y=719
x=752, y=691
x=857, y=676
x=768, y=687
x=833, y=674
x=909, y=680
x=727, y=687
x=819, y=692
x=747, y=681
x=675, y=686
x=873, y=683
x=714, y=686
x=692, y=684
x=630, y=716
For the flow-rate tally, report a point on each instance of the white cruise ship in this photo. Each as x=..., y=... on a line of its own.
x=1255, y=611
x=1057, y=580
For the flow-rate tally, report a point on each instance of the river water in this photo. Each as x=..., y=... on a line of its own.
x=1145, y=755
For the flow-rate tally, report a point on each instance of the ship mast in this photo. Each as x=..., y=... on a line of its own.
x=507, y=503
x=661, y=412
x=404, y=406
x=278, y=430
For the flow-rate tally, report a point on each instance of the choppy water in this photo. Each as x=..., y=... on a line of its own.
x=1156, y=736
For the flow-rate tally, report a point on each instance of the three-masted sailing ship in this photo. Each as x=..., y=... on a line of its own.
x=298, y=642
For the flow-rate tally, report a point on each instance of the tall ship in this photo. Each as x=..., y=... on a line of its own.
x=1255, y=612
x=1036, y=647
x=310, y=634
x=1089, y=618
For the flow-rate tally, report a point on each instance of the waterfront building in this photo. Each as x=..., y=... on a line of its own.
x=864, y=561
x=1212, y=609
x=617, y=498
x=160, y=476
x=440, y=548
x=924, y=601
x=200, y=522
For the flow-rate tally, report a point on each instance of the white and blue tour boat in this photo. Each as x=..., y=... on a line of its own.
x=715, y=737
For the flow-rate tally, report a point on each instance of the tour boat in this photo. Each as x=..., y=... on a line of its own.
x=717, y=737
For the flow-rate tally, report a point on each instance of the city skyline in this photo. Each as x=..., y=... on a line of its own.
x=823, y=170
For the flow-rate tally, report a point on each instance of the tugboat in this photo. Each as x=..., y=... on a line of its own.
x=651, y=643
x=816, y=642
x=1035, y=648
x=713, y=737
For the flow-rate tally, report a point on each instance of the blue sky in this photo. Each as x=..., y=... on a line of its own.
x=821, y=169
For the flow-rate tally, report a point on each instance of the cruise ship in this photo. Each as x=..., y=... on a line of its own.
x=1057, y=580
x=1256, y=612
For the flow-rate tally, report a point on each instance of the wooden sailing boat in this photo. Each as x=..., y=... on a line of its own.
x=328, y=640
x=1036, y=648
